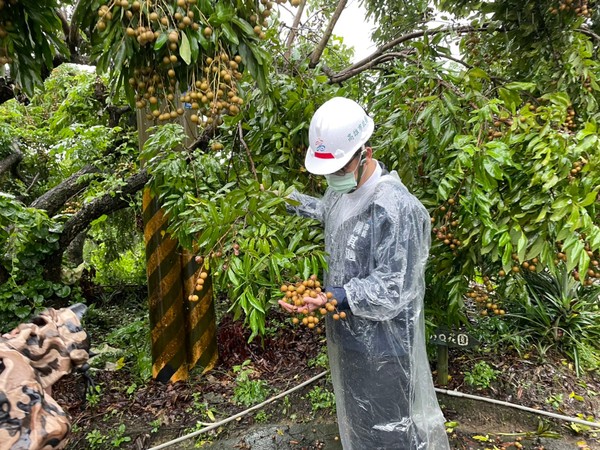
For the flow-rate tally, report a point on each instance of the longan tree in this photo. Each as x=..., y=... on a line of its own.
x=489, y=115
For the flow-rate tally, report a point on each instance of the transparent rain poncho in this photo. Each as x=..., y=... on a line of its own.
x=377, y=239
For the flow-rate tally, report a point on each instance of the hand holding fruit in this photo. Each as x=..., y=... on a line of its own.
x=309, y=302
x=309, y=305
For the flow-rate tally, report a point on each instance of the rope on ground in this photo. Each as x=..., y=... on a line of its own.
x=240, y=414
x=523, y=408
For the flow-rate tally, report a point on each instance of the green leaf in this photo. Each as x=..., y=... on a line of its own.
x=536, y=248
x=478, y=73
x=161, y=41
x=507, y=256
x=229, y=33
x=590, y=198
x=243, y=25
x=558, y=98
x=510, y=98
x=185, y=50
x=521, y=86
x=522, y=244
x=575, y=254
x=233, y=277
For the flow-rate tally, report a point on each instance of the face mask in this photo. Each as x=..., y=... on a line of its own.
x=341, y=183
x=347, y=182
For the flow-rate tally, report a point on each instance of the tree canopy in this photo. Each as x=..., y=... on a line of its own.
x=489, y=113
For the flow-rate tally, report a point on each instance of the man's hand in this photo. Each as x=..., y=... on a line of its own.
x=310, y=304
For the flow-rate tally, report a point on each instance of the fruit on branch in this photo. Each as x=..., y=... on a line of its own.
x=174, y=58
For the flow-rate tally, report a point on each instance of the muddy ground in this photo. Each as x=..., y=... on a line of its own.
x=129, y=415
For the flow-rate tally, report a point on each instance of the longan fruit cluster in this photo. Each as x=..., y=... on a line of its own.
x=294, y=294
x=576, y=168
x=579, y=7
x=592, y=275
x=202, y=276
x=483, y=295
x=71, y=207
x=448, y=224
x=499, y=127
x=159, y=29
x=570, y=123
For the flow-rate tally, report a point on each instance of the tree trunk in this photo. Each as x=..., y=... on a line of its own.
x=74, y=251
x=89, y=212
x=294, y=29
x=53, y=200
x=11, y=160
x=7, y=90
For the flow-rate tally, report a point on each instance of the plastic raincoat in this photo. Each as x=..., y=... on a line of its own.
x=378, y=240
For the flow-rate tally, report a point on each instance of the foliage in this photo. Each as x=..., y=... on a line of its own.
x=493, y=125
x=5, y=140
x=58, y=133
x=508, y=169
x=261, y=416
x=481, y=376
x=560, y=312
x=96, y=439
x=27, y=236
x=92, y=396
x=134, y=338
x=64, y=128
x=118, y=258
x=29, y=40
x=200, y=407
x=81, y=104
x=321, y=398
x=321, y=360
x=127, y=268
x=126, y=344
x=248, y=391
x=238, y=225
x=397, y=18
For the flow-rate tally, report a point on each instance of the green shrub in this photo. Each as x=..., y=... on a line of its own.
x=481, y=376
x=321, y=398
x=247, y=391
x=562, y=313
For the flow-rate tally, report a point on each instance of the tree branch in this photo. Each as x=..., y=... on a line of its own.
x=589, y=33
x=11, y=160
x=54, y=199
x=106, y=204
x=294, y=29
x=316, y=54
x=243, y=142
x=456, y=60
x=375, y=57
x=203, y=139
x=80, y=221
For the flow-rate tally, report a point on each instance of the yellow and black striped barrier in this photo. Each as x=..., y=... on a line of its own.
x=200, y=315
x=165, y=295
x=182, y=317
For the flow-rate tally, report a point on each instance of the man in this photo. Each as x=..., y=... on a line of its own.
x=377, y=236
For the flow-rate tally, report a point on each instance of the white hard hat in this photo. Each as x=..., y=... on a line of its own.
x=337, y=130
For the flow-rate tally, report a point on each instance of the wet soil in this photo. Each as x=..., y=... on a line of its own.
x=130, y=414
